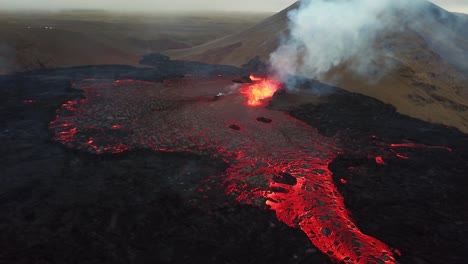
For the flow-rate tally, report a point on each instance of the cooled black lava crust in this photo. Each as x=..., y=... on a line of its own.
x=62, y=206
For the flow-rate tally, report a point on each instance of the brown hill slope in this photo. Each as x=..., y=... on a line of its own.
x=44, y=48
x=428, y=80
x=239, y=48
x=31, y=40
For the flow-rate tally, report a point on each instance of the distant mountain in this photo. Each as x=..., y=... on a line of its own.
x=429, y=79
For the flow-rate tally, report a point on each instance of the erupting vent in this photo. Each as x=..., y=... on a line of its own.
x=281, y=164
x=260, y=89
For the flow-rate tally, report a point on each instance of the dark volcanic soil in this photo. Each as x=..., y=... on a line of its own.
x=65, y=206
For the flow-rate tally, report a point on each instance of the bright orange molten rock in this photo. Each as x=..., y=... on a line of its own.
x=259, y=89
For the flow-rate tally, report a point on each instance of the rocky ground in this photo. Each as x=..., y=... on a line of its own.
x=65, y=206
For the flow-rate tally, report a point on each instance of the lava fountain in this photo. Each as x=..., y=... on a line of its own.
x=259, y=89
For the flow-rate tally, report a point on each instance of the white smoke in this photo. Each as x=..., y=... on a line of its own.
x=327, y=33
x=233, y=88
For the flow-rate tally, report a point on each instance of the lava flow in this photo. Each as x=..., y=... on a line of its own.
x=281, y=164
x=259, y=89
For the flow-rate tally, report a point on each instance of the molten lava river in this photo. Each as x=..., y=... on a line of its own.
x=276, y=161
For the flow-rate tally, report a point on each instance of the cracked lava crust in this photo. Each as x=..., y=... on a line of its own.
x=281, y=164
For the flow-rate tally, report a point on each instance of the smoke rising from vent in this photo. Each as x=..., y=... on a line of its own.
x=327, y=33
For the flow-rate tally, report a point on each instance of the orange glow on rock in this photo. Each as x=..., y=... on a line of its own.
x=259, y=89
x=254, y=78
x=379, y=160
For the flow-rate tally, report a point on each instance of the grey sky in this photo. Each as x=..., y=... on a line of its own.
x=182, y=5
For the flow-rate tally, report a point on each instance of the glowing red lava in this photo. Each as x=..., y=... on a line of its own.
x=401, y=156
x=379, y=160
x=259, y=89
x=282, y=165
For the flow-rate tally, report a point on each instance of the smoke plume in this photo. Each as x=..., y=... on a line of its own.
x=328, y=33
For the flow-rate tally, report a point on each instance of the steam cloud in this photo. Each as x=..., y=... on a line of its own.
x=327, y=33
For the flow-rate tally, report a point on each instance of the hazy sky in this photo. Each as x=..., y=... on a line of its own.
x=181, y=5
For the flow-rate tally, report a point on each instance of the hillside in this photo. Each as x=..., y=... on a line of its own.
x=428, y=79
x=237, y=49
x=30, y=41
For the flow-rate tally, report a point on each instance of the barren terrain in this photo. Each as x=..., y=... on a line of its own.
x=71, y=38
x=137, y=165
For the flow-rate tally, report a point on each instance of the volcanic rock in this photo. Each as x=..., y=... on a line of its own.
x=285, y=178
x=264, y=120
x=189, y=67
x=256, y=65
x=154, y=59
x=235, y=127
x=243, y=79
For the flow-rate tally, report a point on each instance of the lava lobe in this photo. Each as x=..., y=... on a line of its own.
x=282, y=166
